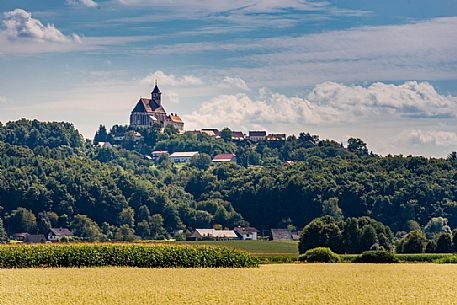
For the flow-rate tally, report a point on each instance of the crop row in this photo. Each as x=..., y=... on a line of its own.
x=129, y=255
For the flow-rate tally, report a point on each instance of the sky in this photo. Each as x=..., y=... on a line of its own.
x=384, y=71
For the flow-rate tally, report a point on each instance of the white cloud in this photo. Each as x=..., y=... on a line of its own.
x=431, y=137
x=329, y=103
x=234, y=82
x=171, y=80
x=86, y=3
x=3, y=100
x=20, y=24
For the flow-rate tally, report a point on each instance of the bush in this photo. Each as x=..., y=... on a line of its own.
x=123, y=255
x=450, y=259
x=320, y=255
x=376, y=257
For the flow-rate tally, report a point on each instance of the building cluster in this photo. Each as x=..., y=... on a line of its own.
x=242, y=233
x=252, y=135
x=53, y=235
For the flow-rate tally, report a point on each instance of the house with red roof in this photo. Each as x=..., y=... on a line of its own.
x=224, y=158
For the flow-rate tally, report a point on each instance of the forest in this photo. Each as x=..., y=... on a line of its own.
x=51, y=176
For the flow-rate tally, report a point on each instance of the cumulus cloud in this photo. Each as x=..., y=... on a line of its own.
x=327, y=103
x=19, y=24
x=234, y=82
x=431, y=137
x=86, y=3
x=171, y=80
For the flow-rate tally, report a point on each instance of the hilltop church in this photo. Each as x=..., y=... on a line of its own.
x=148, y=112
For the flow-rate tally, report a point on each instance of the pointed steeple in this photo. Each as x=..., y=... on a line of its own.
x=156, y=95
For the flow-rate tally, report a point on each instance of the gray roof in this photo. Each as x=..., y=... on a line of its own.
x=61, y=232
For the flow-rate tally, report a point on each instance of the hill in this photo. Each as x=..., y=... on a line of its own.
x=50, y=176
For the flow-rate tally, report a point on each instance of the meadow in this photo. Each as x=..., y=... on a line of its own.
x=268, y=284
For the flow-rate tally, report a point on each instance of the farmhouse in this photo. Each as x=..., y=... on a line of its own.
x=238, y=136
x=284, y=234
x=246, y=233
x=224, y=158
x=149, y=111
x=182, y=156
x=29, y=238
x=156, y=154
x=212, y=234
x=56, y=234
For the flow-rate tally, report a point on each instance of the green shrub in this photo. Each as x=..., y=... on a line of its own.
x=319, y=255
x=450, y=259
x=376, y=257
x=123, y=255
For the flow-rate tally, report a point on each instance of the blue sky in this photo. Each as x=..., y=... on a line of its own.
x=385, y=71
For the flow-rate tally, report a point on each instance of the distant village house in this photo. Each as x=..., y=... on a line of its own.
x=182, y=156
x=212, y=234
x=224, y=158
x=57, y=234
x=256, y=136
x=246, y=233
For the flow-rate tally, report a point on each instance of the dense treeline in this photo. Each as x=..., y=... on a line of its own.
x=117, y=194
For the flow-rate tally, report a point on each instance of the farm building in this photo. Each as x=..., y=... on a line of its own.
x=56, y=234
x=284, y=234
x=182, y=156
x=156, y=154
x=224, y=158
x=29, y=238
x=246, y=233
x=212, y=234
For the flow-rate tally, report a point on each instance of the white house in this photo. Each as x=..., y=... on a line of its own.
x=246, y=233
x=256, y=136
x=56, y=234
x=214, y=234
x=156, y=154
x=182, y=156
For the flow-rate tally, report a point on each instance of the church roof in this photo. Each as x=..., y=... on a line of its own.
x=147, y=105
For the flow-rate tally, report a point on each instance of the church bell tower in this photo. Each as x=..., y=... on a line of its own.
x=156, y=95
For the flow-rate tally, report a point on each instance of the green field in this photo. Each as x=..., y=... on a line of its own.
x=268, y=284
x=257, y=247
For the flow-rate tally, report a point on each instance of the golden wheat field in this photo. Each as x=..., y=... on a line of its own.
x=268, y=284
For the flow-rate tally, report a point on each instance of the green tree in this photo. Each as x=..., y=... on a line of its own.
x=201, y=161
x=21, y=220
x=226, y=134
x=127, y=217
x=43, y=223
x=413, y=242
x=368, y=238
x=330, y=207
x=444, y=243
x=357, y=146
x=84, y=227
x=124, y=233
x=3, y=234
x=101, y=135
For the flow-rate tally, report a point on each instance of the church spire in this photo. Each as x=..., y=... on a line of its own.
x=156, y=95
